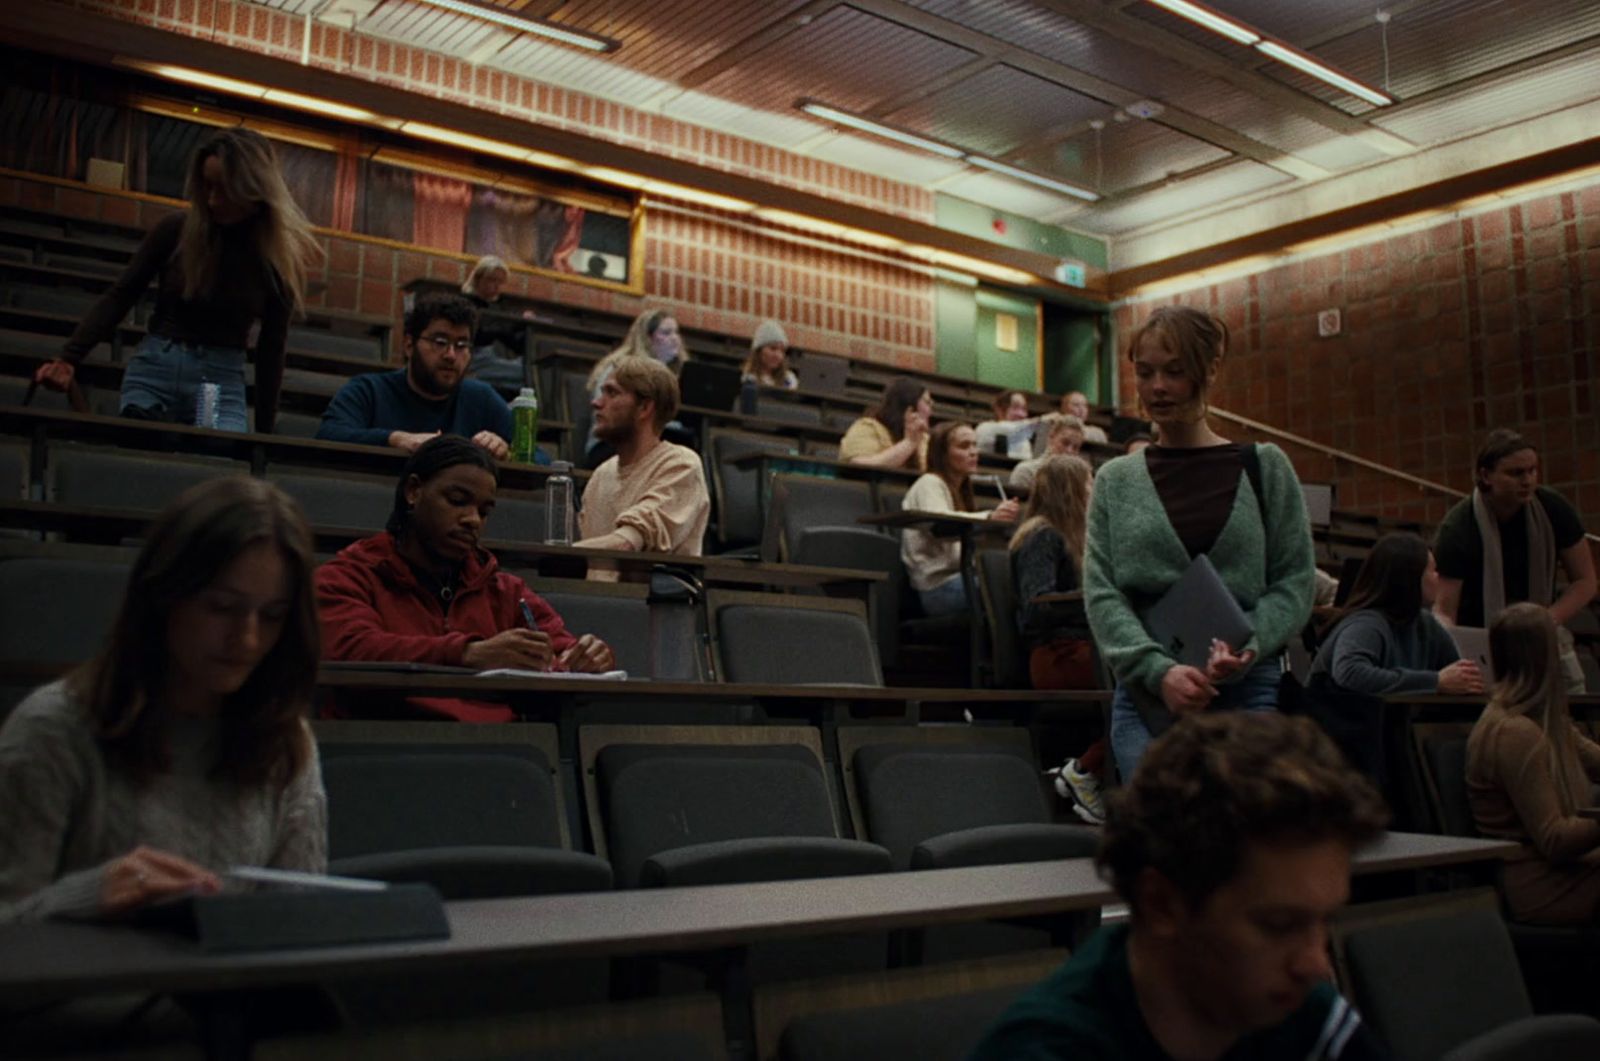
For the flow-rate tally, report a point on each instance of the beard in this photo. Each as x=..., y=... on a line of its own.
x=428, y=382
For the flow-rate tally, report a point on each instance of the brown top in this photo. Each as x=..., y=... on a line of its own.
x=659, y=503
x=247, y=289
x=1512, y=788
x=1196, y=487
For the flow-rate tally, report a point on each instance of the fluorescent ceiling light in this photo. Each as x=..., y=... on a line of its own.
x=668, y=190
x=1032, y=178
x=466, y=140
x=321, y=106
x=1003, y=273
x=888, y=132
x=524, y=24
x=1301, y=61
x=614, y=176
x=202, y=79
x=1211, y=20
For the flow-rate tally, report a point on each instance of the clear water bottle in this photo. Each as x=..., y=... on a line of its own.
x=524, y=426
x=558, y=510
x=208, y=405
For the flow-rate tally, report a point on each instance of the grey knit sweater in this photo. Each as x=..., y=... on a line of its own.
x=64, y=814
x=1368, y=654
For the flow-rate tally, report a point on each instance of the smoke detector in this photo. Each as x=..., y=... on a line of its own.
x=1144, y=109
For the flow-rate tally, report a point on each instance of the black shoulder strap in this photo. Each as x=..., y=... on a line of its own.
x=1252, y=471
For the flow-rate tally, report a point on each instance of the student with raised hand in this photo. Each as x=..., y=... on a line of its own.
x=424, y=591
x=1156, y=510
x=1386, y=639
x=654, y=336
x=1012, y=422
x=933, y=564
x=180, y=750
x=1530, y=769
x=895, y=433
x=235, y=258
x=430, y=396
x=768, y=363
x=1232, y=847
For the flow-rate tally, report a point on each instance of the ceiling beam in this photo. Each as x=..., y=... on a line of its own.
x=771, y=33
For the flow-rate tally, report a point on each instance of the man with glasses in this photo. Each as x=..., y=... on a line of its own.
x=430, y=395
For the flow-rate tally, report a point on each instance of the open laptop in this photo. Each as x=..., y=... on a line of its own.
x=708, y=386
x=1473, y=643
x=822, y=372
x=1195, y=609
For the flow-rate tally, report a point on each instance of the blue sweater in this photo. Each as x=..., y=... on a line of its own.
x=369, y=407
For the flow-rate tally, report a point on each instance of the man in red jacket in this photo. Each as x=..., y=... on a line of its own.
x=423, y=592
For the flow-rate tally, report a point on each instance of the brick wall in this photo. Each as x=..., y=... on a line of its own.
x=1488, y=318
x=724, y=276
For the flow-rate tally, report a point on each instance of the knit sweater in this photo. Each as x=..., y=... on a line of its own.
x=1366, y=653
x=867, y=437
x=1134, y=556
x=930, y=560
x=65, y=812
x=371, y=407
x=656, y=504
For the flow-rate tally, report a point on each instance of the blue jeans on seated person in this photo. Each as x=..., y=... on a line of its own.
x=1257, y=690
x=947, y=598
x=163, y=379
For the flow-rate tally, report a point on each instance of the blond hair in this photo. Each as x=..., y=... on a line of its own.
x=1059, y=500
x=250, y=176
x=487, y=264
x=649, y=380
x=636, y=344
x=1527, y=662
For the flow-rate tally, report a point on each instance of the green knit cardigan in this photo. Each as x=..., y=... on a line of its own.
x=1133, y=555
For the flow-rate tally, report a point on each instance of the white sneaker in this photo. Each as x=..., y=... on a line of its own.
x=1083, y=789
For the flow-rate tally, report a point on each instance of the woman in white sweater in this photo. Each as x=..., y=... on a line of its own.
x=933, y=564
x=179, y=750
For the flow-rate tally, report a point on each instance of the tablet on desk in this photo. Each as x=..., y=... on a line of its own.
x=1473, y=643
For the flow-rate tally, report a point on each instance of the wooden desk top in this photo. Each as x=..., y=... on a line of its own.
x=40, y=961
x=336, y=677
x=940, y=522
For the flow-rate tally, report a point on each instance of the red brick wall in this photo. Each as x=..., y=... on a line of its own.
x=727, y=277
x=1490, y=318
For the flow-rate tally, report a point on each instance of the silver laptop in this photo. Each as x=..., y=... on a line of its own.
x=1473, y=643
x=822, y=372
x=1194, y=610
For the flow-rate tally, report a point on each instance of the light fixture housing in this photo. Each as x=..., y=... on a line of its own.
x=1215, y=21
x=1304, y=63
x=888, y=132
x=523, y=24
x=1018, y=173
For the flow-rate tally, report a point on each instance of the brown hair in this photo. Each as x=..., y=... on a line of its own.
x=1059, y=500
x=1528, y=681
x=902, y=393
x=637, y=344
x=282, y=234
x=263, y=736
x=1199, y=340
x=1214, y=784
x=939, y=464
x=1501, y=443
x=649, y=380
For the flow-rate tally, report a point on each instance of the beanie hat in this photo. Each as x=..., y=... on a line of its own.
x=770, y=332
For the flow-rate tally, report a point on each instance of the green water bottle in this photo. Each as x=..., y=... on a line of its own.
x=524, y=426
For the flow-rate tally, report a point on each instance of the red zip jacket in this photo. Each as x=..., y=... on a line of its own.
x=373, y=608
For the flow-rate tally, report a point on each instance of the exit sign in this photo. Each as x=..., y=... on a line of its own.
x=1072, y=274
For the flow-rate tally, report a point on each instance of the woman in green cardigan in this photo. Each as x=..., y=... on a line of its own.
x=1156, y=510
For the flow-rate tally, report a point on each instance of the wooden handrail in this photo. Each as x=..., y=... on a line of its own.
x=1344, y=455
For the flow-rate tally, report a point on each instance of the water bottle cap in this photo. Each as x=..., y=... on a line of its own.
x=561, y=467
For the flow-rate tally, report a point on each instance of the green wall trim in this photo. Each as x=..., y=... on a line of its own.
x=1023, y=233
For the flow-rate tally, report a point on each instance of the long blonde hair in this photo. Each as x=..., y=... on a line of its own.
x=1529, y=682
x=250, y=175
x=489, y=263
x=637, y=344
x=1060, y=501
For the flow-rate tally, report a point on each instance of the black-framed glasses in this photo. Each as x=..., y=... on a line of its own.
x=441, y=343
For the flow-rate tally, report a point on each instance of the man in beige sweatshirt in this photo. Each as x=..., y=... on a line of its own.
x=651, y=496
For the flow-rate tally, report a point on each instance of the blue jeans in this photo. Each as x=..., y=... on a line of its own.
x=947, y=598
x=164, y=376
x=1257, y=690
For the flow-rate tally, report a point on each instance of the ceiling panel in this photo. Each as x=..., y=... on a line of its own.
x=876, y=156
x=1571, y=81
x=668, y=38
x=595, y=75
x=1127, y=154
x=426, y=26
x=996, y=110
x=1183, y=197
x=848, y=58
x=1302, y=20
x=786, y=130
x=1003, y=193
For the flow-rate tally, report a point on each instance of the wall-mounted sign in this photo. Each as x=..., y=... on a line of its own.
x=1005, y=332
x=1073, y=274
